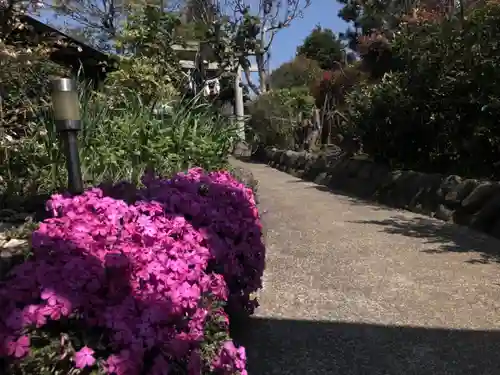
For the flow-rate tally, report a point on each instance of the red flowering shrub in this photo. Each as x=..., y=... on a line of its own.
x=331, y=89
x=138, y=287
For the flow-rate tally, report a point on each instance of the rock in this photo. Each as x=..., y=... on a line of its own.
x=15, y=244
x=301, y=160
x=360, y=188
x=444, y=213
x=365, y=171
x=309, y=167
x=322, y=179
x=479, y=196
x=283, y=158
x=292, y=159
x=277, y=156
x=296, y=173
x=379, y=174
x=448, y=198
x=411, y=184
x=426, y=199
x=316, y=167
x=390, y=179
x=485, y=218
x=339, y=166
x=242, y=149
x=448, y=184
x=404, y=189
x=457, y=193
x=353, y=167
x=270, y=154
x=417, y=208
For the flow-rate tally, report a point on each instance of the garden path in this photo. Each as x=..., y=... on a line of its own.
x=351, y=287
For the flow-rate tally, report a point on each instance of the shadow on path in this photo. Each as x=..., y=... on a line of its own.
x=449, y=237
x=295, y=347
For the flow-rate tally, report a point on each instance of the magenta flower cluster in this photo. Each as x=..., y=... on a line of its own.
x=151, y=272
x=225, y=212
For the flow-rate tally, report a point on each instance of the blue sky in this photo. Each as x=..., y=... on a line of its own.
x=323, y=12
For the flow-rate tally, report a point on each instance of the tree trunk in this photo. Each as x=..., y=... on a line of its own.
x=316, y=126
x=259, y=57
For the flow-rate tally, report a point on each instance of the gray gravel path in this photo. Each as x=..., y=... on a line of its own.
x=355, y=288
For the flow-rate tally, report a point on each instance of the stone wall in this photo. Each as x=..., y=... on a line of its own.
x=450, y=198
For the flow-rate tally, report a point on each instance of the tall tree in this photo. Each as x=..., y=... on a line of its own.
x=246, y=30
x=99, y=18
x=205, y=11
x=367, y=16
x=98, y=21
x=323, y=46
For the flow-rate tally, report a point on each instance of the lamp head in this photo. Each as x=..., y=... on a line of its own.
x=65, y=104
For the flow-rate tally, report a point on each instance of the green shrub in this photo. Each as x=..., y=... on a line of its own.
x=149, y=66
x=121, y=136
x=26, y=148
x=117, y=142
x=274, y=115
x=300, y=72
x=438, y=109
x=323, y=46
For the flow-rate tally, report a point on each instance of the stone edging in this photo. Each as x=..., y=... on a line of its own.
x=12, y=250
x=451, y=198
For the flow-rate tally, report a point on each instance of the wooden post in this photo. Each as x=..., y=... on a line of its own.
x=239, y=110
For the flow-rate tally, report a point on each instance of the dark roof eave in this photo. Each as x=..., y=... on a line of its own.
x=78, y=52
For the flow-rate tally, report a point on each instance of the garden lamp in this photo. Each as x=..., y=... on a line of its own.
x=66, y=107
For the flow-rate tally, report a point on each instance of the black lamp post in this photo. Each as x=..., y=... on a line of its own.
x=66, y=109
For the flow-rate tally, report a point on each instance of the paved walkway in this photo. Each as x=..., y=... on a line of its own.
x=354, y=288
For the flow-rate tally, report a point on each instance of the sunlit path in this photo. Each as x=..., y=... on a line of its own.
x=354, y=288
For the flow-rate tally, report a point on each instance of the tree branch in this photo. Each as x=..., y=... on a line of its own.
x=246, y=70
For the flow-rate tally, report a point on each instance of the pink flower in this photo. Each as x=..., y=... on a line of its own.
x=50, y=296
x=216, y=285
x=120, y=364
x=153, y=272
x=18, y=348
x=84, y=358
x=231, y=359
